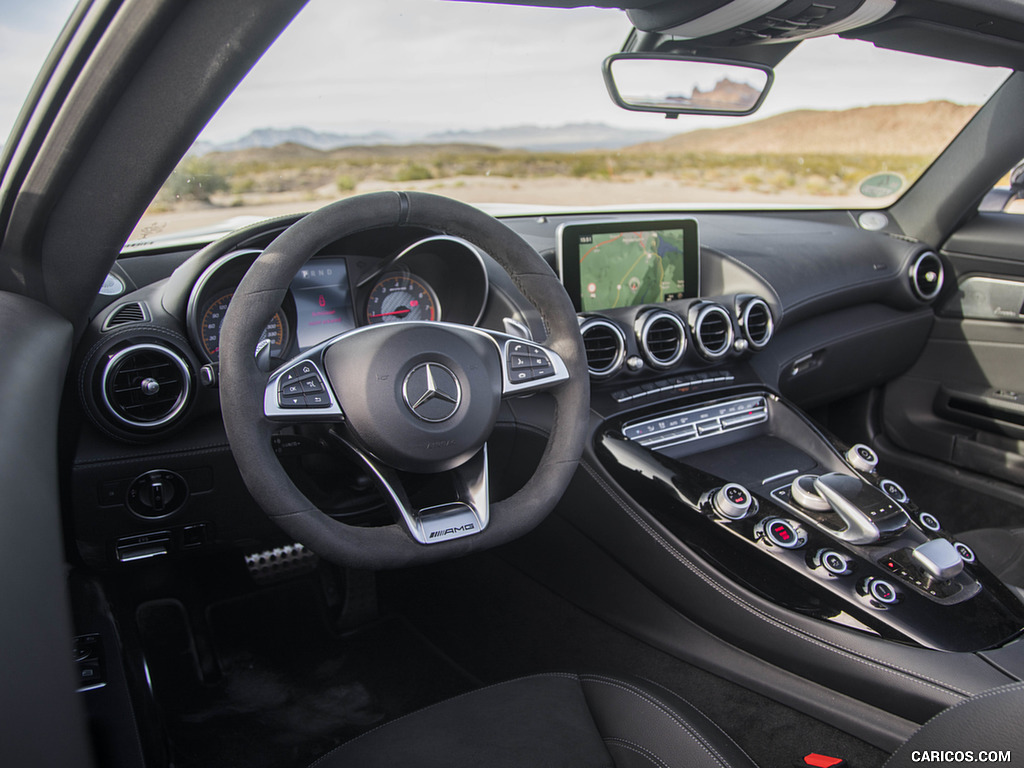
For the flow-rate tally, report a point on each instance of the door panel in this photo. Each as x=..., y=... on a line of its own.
x=962, y=402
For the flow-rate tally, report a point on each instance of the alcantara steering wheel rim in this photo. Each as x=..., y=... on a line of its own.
x=250, y=420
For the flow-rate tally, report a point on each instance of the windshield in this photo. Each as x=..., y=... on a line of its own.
x=495, y=104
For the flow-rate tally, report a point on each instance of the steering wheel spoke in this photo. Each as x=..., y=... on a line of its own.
x=466, y=514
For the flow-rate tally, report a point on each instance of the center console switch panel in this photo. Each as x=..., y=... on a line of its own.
x=667, y=430
x=777, y=506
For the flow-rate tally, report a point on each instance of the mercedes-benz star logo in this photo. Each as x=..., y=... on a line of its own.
x=432, y=392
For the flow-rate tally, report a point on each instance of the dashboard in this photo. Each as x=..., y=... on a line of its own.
x=707, y=337
x=808, y=306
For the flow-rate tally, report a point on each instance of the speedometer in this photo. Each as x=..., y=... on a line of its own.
x=401, y=297
x=213, y=318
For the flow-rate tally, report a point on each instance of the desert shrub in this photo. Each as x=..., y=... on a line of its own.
x=195, y=178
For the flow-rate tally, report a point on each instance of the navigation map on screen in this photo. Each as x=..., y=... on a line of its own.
x=621, y=269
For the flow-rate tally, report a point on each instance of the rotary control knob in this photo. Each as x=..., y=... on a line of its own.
x=862, y=458
x=805, y=495
x=733, y=501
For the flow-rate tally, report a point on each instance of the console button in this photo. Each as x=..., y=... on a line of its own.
x=862, y=457
x=880, y=590
x=929, y=521
x=781, y=532
x=834, y=562
x=895, y=490
x=965, y=552
x=733, y=501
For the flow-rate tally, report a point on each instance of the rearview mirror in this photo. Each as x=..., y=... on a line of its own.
x=681, y=85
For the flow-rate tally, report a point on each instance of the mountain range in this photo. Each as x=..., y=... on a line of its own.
x=571, y=137
x=892, y=129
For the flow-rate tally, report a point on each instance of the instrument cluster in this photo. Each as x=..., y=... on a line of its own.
x=433, y=279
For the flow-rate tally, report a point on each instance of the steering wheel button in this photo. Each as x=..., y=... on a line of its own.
x=519, y=361
x=540, y=372
x=522, y=375
x=317, y=401
x=292, y=401
x=312, y=384
x=290, y=390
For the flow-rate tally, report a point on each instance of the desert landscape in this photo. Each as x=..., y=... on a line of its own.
x=802, y=158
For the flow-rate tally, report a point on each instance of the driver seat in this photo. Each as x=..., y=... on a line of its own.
x=596, y=721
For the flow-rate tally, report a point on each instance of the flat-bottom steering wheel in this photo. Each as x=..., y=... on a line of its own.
x=419, y=397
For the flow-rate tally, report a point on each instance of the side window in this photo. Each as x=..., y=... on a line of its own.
x=1008, y=194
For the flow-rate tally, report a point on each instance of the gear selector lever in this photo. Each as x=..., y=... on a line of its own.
x=868, y=513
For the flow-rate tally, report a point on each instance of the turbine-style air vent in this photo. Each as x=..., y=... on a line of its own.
x=756, y=322
x=605, y=346
x=133, y=312
x=926, y=275
x=712, y=331
x=145, y=386
x=662, y=338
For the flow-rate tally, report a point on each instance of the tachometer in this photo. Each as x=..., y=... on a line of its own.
x=276, y=330
x=401, y=297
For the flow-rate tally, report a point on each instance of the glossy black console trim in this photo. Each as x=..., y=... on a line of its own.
x=675, y=494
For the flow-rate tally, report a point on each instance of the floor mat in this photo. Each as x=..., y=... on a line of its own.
x=290, y=690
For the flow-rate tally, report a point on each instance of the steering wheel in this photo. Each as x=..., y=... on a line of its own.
x=419, y=397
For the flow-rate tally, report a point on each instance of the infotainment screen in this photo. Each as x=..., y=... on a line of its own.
x=605, y=264
x=323, y=301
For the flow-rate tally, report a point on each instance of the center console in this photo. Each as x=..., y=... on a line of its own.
x=778, y=506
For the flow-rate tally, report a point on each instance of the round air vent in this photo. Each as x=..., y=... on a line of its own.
x=712, y=331
x=605, y=345
x=926, y=275
x=662, y=338
x=756, y=323
x=145, y=386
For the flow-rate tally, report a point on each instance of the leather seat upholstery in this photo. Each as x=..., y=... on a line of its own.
x=549, y=720
x=595, y=721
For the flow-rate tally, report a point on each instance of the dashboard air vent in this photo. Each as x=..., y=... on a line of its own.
x=605, y=346
x=146, y=386
x=133, y=312
x=712, y=331
x=662, y=338
x=756, y=322
x=926, y=275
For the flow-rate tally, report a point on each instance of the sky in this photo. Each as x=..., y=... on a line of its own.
x=416, y=66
